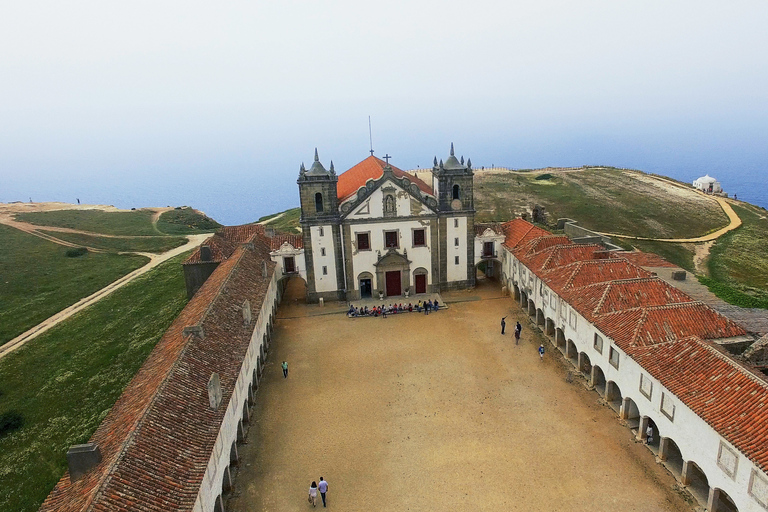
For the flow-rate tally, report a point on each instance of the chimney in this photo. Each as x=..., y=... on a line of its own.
x=195, y=330
x=247, y=312
x=81, y=458
x=205, y=253
x=270, y=232
x=263, y=269
x=214, y=391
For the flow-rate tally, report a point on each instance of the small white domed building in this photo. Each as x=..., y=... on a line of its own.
x=708, y=184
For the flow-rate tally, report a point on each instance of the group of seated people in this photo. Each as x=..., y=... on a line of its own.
x=392, y=309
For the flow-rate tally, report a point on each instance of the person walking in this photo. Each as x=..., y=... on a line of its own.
x=285, y=369
x=541, y=352
x=503, y=324
x=323, y=488
x=649, y=434
x=313, y=494
x=518, y=330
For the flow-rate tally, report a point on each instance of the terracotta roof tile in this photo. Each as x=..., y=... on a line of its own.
x=372, y=168
x=644, y=259
x=278, y=239
x=157, y=439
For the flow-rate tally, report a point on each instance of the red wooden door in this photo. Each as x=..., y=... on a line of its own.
x=393, y=283
x=421, y=283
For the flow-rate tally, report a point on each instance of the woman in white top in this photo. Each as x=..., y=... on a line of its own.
x=313, y=494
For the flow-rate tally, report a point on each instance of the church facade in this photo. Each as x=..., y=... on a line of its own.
x=376, y=231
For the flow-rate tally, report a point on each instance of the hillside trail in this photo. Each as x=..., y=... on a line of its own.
x=6, y=217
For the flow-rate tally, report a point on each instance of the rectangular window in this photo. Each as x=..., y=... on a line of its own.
x=598, y=343
x=614, y=358
x=363, y=242
x=325, y=271
x=391, y=239
x=572, y=319
x=456, y=242
x=667, y=407
x=322, y=251
x=456, y=260
x=646, y=386
x=320, y=229
x=455, y=223
x=419, y=240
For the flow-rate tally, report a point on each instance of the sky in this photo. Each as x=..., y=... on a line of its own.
x=215, y=105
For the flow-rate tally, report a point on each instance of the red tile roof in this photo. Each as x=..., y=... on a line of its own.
x=519, y=230
x=658, y=326
x=158, y=438
x=224, y=242
x=372, y=168
x=278, y=239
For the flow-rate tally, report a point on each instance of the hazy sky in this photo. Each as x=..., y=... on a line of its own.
x=215, y=104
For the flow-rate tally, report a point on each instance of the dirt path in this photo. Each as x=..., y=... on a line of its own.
x=435, y=412
x=271, y=218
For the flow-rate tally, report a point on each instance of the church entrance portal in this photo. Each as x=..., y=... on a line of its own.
x=421, y=283
x=393, y=283
x=365, y=288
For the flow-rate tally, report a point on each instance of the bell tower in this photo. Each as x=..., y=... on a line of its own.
x=321, y=232
x=453, y=186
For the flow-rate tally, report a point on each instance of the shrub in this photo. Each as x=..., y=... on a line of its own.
x=76, y=252
x=545, y=176
x=10, y=421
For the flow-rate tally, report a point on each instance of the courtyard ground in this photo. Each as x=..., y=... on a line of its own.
x=435, y=412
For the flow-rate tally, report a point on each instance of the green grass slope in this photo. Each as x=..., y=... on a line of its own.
x=62, y=384
x=184, y=220
x=287, y=221
x=603, y=199
x=153, y=244
x=137, y=222
x=37, y=279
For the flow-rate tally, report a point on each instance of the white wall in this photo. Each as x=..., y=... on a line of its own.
x=214, y=473
x=697, y=441
x=287, y=250
x=456, y=272
x=327, y=282
x=373, y=207
x=363, y=261
x=497, y=240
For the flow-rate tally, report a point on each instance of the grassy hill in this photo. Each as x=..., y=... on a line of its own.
x=56, y=389
x=40, y=279
x=185, y=221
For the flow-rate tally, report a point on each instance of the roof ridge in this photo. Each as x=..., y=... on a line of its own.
x=129, y=441
x=578, y=265
x=599, y=305
x=732, y=362
x=640, y=323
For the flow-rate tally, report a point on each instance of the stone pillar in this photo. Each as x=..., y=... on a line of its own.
x=579, y=361
x=663, y=448
x=641, y=429
x=592, y=376
x=685, y=476
x=624, y=409
x=713, y=500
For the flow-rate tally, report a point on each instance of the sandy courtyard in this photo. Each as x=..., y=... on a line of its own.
x=435, y=412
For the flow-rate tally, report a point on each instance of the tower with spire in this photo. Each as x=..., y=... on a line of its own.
x=453, y=186
x=321, y=231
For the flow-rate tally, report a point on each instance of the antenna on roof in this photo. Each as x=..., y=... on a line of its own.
x=370, y=135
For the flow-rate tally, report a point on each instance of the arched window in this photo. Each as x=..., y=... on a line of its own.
x=456, y=192
x=319, y=202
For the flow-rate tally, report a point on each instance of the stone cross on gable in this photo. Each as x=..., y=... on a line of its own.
x=387, y=157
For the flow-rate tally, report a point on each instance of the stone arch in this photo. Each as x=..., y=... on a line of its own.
x=233, y=455
x=256, y=372
x=560, y=340
x=261, y=354
x=531, y=308
x=226, y=482
x=598, y=380
x=251, y=396
x=218, y=505
x=720, y=501
x=585, y=365
x=540, y=319
x=696, y=481
x=549, y=327
x=420, y=284
x=613, y=396
x=264, y=346
x=319, y=202
x=365, y=285
x=631, y=414
x=246, y=412
x=671, y=457
x=456, y=192
x=523, y=300
x=516, y=290
x=572, y=353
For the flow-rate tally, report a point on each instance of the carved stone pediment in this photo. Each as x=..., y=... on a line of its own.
x=392, y=258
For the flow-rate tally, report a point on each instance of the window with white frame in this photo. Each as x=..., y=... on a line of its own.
x=597, y=344
x=572, y=319
x=553, y=302
x=646, y=386
x=563, y=310
x=613, y=357
x=667, y=406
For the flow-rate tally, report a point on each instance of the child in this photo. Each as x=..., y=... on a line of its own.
x=541, y=352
